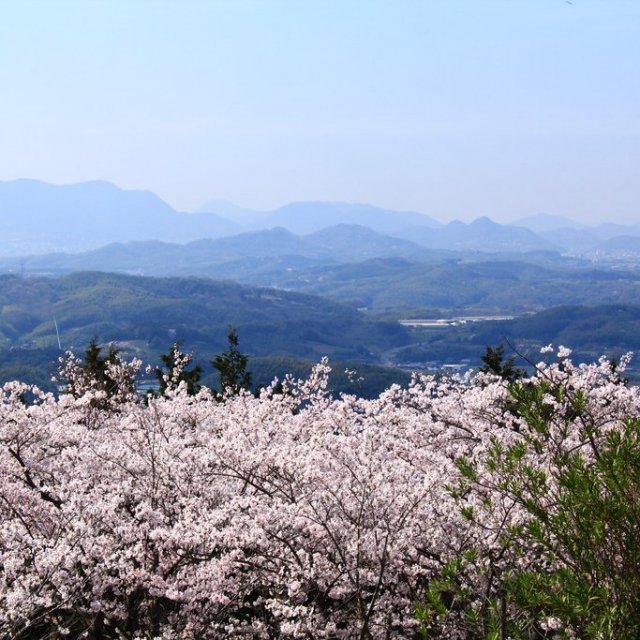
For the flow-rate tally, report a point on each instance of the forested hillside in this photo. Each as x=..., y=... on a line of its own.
x=146, y=315
x=357, y=266
x=280, y=329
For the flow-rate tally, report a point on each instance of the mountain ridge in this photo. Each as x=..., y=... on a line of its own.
x=38, y=218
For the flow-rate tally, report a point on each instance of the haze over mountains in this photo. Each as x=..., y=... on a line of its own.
x=38, y=218
x=307, y=217
x=367, y=267
x=381, y=261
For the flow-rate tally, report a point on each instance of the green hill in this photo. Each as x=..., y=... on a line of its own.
x=146, y=315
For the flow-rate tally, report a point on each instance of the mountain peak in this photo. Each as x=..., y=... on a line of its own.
x=37, y=217
x=483, y=223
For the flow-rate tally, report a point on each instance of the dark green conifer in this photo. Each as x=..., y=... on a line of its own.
x=232, y=367
x=495, y=363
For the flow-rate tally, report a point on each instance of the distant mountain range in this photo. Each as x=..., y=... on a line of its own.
x=341, y=275
x=307, y=217
x=39, y=218
x=242, y=257
x=36, y=218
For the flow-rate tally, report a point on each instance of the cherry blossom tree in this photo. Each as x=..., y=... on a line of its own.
x=295, y=515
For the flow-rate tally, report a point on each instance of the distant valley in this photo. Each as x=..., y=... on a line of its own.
x=282, y=332
x=306, y=280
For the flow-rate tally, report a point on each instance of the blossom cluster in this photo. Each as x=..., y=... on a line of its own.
x=291, y=514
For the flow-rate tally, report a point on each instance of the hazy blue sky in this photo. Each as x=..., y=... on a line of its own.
x=457, y=108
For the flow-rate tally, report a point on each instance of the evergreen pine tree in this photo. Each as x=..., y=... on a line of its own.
x=495, y=363
x=232, y=367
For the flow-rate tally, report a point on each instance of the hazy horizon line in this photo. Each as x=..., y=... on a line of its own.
x=233, y=203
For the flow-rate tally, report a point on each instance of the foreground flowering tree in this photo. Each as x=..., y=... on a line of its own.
x=552, y=492
x=294, y=514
